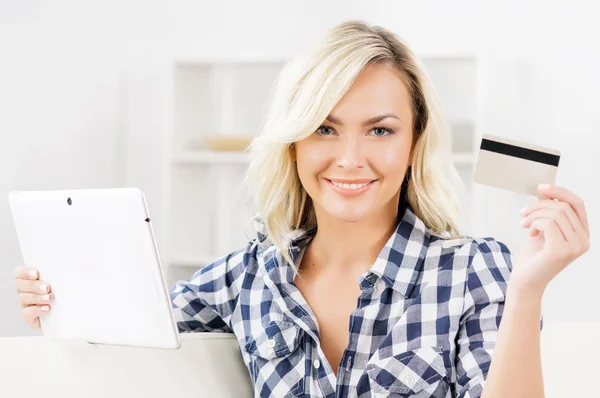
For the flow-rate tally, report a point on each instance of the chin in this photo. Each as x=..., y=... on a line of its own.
x=347, y=215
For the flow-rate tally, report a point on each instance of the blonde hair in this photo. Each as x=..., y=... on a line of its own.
x=304, y=93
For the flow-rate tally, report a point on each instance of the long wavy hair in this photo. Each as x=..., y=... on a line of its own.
x=306, y=90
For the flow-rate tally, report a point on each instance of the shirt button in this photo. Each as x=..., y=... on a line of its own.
x=271, y=343
x=317, y=364
x=409, y=381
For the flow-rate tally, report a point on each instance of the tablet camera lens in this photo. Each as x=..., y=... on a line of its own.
x=69, y=201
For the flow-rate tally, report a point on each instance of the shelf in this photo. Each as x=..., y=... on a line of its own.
x=236, y=157
x=198, y=262
x=212, y=157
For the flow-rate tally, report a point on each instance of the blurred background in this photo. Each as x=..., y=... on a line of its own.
x=160, y=95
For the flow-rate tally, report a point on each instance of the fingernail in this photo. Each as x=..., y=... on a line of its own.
x=33, y=274
x=544, y=186
x=523, y=209
x=44, y=288
x=46, y=297
x=45, y=308
x=522, y=222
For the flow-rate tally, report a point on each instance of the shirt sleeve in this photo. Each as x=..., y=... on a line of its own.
x=206, y=302
x=485, y=291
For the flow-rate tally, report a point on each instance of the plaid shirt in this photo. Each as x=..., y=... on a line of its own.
x=425, y=325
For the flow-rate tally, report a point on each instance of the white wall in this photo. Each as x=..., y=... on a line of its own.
x=82, y=94
x=565, y=72
x=60, y=113
x=549, y=97
x=536, y=56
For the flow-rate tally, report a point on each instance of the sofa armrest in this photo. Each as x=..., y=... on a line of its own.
x=570, y=354
x=207, y=364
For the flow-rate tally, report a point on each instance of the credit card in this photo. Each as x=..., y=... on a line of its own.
x=515, y=166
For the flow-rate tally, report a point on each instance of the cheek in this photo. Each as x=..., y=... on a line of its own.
x=392, y=162
x=314, y=154
x=311, y=160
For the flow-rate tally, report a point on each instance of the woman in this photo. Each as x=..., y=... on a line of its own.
x=359, y=282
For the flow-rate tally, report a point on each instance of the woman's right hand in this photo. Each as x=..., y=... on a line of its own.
x=34, y=295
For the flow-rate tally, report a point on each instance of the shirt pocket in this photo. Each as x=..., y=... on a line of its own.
x=417, y=373
x=276, y=363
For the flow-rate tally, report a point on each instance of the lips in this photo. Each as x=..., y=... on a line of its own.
x=356, y=181
x=349, y=191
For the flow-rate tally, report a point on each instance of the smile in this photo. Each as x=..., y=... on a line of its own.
x=350, y=188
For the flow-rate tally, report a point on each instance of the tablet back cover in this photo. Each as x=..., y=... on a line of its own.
x=99, y=255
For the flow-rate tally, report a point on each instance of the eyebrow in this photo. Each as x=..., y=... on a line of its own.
x=367, y=122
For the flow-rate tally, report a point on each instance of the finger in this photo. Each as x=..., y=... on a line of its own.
x=32, y=313
x=28, y=286
x=539, y=213
x=553, y=235
x=563, y=194
x=560, y=206
x=565, y=227
x=550, y=229
x=538, y=204
x=27, y=299
x=559, y=216
x=571, y=215
x=24, y=272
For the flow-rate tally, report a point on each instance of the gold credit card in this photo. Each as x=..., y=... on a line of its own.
x=515, y=166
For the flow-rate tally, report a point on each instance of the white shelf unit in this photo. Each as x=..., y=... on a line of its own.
x=207, y=209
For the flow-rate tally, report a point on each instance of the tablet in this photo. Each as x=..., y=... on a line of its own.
x=96, y=248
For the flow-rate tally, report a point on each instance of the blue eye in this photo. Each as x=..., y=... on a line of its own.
x=383, y=131
x=377, y=131
x=321, y=129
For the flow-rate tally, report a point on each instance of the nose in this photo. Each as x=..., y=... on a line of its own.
x=349, y=152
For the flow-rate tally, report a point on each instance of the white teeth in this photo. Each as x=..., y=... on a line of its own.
x=349, y=186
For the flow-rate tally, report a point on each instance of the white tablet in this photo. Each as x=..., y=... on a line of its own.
x=96, y=249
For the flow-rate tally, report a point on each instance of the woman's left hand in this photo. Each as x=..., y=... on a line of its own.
x=558, y=234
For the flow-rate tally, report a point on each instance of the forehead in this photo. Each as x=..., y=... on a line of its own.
x=379, y=88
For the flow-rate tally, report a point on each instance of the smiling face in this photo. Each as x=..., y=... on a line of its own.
x=354, y=164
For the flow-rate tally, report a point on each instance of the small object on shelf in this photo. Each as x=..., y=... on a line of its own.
x=211, y=157
x=229, y=142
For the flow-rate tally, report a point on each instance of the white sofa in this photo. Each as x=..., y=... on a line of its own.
x=206, y=365
x=210, y=365
x=571, y=359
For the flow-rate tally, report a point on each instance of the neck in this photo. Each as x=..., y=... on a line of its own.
x=351, y=245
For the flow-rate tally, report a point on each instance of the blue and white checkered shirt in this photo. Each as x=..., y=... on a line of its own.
x=425, y=325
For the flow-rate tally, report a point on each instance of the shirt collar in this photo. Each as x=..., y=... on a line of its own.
x=398, y=264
